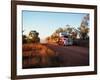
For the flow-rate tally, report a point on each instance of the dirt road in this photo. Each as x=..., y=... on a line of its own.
x=71, y=55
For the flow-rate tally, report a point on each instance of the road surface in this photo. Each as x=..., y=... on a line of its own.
x=71, y=55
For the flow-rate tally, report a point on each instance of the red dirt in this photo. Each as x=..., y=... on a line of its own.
x=68, y=55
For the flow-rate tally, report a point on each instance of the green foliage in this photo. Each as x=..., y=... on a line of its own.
x=24, y=39
x=32, y=37
x=84, y=32
x=83, y=29
x=68, y=29
x=33, y=34
x=59, y=30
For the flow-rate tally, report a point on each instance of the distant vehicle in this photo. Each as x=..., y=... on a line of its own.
x=65, y=39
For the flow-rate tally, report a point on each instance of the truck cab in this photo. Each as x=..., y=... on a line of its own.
x=65, y=39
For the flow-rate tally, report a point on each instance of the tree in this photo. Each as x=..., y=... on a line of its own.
x=33, y=36
x=69, y=30
x=47, y=39
x=84, y=30
x=59, y=30
x=54, y=37
x=74, y=35
x=24, y=38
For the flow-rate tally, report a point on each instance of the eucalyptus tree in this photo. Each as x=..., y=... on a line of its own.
x=84, y=29
x=34, y=36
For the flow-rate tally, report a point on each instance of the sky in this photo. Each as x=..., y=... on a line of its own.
x=47, y=22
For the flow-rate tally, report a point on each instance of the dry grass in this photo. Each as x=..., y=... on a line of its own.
x=37, y=49
x=37, y=55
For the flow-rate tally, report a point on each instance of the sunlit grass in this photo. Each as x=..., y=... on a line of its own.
x=38, y=55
